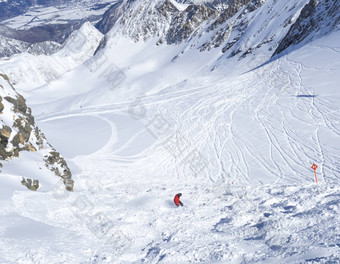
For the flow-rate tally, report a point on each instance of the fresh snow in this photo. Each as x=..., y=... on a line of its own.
x=236, y=138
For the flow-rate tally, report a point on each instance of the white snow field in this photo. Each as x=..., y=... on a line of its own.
x=236, y=138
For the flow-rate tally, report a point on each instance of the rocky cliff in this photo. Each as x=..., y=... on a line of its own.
x=205, y=25
x=317, y=18
x=19, y=134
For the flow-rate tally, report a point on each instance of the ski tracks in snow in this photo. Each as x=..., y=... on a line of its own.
x=260, y=125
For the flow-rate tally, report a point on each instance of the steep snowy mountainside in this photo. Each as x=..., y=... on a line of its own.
x=240, y=29
x=216, y=4
x=28, y=71
x=111, y=16
x=317, y=19
x=25, y=153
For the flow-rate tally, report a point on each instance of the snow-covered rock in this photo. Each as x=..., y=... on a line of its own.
x=9, y=46
x=23, y=142
x=238, y=29
x=317, y=19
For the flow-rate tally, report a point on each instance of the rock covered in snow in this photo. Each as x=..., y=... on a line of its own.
x=9, y=47
x=317, y=17
x=19, y=134
x=201, y=25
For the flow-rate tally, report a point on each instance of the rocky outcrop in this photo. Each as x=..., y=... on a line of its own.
x=19, y=133
x=145, y=19
x=185, y=24
x=56, y=163
x=316, y=19
x=110, y=17
x=32, y=185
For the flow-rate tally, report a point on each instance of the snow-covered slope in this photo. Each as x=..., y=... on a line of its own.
x=259, y=134
x=232, y=129
x=28, y=71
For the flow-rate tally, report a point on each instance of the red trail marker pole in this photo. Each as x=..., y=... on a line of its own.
x=314, y=167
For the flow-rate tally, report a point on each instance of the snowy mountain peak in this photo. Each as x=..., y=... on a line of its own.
x=87, y=37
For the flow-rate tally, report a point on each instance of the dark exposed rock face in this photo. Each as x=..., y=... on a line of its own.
x=22, y=134
x=312, y=19
x=110, y=17
x=224, y=29
x=185, y=23
x=157, y=18
x=46, y=39
x=50, y=32
x=19, y=134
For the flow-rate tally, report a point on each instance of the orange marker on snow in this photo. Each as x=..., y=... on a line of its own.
x=314, y=167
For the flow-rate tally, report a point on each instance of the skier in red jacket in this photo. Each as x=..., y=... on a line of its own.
x=177, y=201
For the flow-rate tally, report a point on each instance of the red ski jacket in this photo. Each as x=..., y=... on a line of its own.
x=176, y=200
